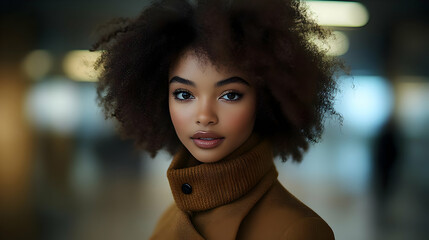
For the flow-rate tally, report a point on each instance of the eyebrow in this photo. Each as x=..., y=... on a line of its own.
x=182, y=80
x=232, y=80
x=218, y=84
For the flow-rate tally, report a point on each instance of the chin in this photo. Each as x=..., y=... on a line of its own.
x=206, y=156
x=207, y=159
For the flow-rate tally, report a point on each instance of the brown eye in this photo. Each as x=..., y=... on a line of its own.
x=182, y=95
x=232, y=96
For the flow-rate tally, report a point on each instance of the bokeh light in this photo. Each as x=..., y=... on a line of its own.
x=339, y=13
x=53, y=105
x=366, y=102
x=79, y=65
x=38, y=63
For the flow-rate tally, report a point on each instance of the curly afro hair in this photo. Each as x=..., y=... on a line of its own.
x=268, y=40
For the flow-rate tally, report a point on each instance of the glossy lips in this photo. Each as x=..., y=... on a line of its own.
x=207, y=140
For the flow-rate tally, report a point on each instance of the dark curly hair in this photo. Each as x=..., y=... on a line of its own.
x=268, y=40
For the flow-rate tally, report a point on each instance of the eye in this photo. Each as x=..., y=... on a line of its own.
x=232, y=96
x=182, y=95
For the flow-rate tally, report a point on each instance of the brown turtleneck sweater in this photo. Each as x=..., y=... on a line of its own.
x=238, y=197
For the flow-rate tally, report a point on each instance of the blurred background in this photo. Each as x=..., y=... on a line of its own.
x=65, y=173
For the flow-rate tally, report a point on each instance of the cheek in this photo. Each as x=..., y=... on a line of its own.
x=241, y=119
x=179, y=116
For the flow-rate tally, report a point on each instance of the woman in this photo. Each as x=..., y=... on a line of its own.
x=224, y=86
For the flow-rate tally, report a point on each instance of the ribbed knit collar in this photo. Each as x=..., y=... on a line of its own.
x=219, y=183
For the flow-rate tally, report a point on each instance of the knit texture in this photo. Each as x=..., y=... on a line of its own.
x=219, y=183
x=236, y=198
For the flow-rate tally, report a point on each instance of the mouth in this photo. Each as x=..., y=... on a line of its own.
x=207, y=140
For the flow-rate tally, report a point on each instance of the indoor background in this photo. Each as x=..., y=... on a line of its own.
x=65, y=173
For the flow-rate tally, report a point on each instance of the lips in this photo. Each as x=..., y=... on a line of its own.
x=207, y=140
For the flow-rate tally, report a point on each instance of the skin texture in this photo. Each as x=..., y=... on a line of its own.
x=227, y=110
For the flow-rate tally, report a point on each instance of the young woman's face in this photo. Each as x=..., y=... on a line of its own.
x=212, y=110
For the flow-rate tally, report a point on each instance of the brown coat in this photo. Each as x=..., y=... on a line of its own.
x=236, y=198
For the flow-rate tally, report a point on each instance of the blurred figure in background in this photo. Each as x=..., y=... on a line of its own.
x=387, y=152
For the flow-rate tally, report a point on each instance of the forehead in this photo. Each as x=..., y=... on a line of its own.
x=193, y=67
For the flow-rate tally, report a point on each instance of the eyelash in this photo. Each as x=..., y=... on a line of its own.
x=177, y=93
x=237, y=94
x=180, y=91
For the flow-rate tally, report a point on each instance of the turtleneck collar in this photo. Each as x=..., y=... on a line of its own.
x=200, y=187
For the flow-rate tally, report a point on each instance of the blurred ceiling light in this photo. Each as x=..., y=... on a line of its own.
x=37, y=64
x=338, y=13
x=79, y=65
x=336, y=45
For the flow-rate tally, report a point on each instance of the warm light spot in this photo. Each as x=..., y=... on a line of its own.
x=37, y=64
x=412, y=105
x=336, y=45
x=338, y=13
x=79, y=65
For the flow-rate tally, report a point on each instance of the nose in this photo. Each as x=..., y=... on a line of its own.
x=206, y=114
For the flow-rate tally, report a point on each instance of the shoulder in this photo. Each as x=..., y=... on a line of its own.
x=282, y=215
x=309, y=228
x=301, y=222
x=167, y=218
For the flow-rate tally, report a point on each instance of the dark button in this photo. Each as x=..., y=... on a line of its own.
x=186, y=188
